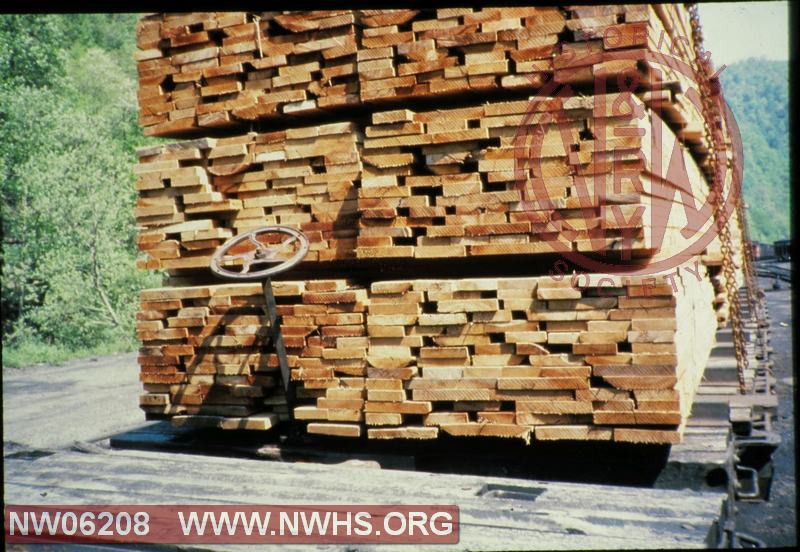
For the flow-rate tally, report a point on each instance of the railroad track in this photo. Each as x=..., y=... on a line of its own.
x=773, y=271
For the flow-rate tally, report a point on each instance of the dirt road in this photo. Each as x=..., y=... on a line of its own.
x=50, y=407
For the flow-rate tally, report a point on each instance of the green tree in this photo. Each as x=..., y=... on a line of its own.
x=68, y=129
x=31, y=51
x=758, y=92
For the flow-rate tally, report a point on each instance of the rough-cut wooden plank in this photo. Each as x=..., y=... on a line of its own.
x=406, y=432
x=573, y=432
x=683, y=519
x=487, y=430
x=646, y=436
x=338, y=430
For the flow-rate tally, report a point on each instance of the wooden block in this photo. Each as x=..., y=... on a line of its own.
x=647, y=436
x=345, y=404
x=542, y=383
x=383, y=418
x=404, y=373
x=260, y=422
x=453, y=394
x=531, y=419
x=154, y=399
x=475, y=305
x=594, y=348
x=557, y=293
x=488, y=430
x=496, y=418
x=573, y=433
x=344, y=393
x=427, y=382
x=378, y=383
x=338, y=430
x=607, y=417
x=641, y=382
x=403, y=433
x=442, y=319
x=444, y=352
x=344, y=415
x=439, y=418
x=405, y=407
x=386, y=395
x=310, y=413
x=628, y=370
x=554, y=407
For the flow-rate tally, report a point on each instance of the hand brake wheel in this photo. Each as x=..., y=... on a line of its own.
x=279, y=246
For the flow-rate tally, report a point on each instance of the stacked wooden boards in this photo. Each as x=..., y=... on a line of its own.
x=195, y=195
x=206, y=70
x=466, y=182
x=415, y=136
x=617, y=358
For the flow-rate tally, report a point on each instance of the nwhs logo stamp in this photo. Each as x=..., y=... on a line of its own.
x=634, y=187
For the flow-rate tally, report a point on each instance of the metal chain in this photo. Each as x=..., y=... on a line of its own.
x=751, y=284
x=710, y=94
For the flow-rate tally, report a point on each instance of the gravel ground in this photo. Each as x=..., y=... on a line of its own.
x=49, y=407
x=775, y=522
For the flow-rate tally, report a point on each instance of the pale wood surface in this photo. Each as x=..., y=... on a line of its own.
x=531, y=515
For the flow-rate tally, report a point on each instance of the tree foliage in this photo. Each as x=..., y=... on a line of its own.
x=758, y=92
x=68, y=129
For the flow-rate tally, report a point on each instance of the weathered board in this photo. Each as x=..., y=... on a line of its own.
x=495, y=513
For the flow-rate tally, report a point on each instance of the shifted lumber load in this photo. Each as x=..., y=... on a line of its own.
x=439, y=157
x=465, y=182
x=208, y=70
x=520, y=357
x=195, y=195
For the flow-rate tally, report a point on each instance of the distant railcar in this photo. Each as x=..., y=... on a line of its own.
x=755, y=249
x=783, y=250
x=761, y=251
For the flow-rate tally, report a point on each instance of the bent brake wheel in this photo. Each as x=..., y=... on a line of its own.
x=279, y=246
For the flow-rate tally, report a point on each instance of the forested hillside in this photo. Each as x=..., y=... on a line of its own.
x=758, y=92
x=68, y=130
x=68, y=133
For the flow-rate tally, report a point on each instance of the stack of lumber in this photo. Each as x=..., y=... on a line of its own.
x=514, y=357
x=203, y=354
x=414, y=139
x=207, y=70
x=434, y=184
x=477, y=194
x=195, y=195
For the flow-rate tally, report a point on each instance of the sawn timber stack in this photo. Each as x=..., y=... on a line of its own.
x=510, y=357
x=437, y=184
x=397, y=137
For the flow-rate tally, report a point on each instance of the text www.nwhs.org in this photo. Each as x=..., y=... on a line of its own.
x=232, y=524
x=317, y=523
